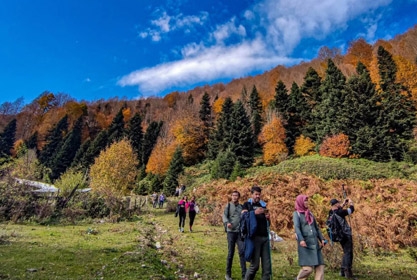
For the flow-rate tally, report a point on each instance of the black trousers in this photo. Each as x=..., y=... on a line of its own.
x=233, y=239
x=192, y=214
x=347, y=246
x=182, y=216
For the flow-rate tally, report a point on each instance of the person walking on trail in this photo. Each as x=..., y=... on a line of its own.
x=310, y=241
x=261, y=247
x=191, y=208
x=161, y=200
x=154, y=199
x=231, y=218
x=347, y=242
x=182, y=213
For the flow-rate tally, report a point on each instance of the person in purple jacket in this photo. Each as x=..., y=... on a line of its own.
x=191, y=211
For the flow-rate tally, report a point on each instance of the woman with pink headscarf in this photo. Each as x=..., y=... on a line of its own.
x=310, y=240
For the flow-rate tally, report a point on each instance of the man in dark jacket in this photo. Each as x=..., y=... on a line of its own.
x=231, y=218
x=261, y=252
x=347, y=242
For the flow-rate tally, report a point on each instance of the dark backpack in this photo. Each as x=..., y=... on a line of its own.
x=334, y=228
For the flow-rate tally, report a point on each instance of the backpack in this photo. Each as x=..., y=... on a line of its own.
x=334, y=228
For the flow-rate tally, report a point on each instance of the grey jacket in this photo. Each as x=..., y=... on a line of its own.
x=311, y=234
x=232, y=215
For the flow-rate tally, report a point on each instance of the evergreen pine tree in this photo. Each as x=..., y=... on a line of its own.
x=221, y=136
x=32, y=142
x=206, y=118
x=298, y=112
x=66, y=153
x=176, y=167
x=134, y=133
x=77, y=161
x=241, y=134
x=116, y=129
x=281, y=99
x=53, y=142
x=398, y=115
x=255, y=112
x=7, y=138
x=223, y=165
x=329, y=113
x=362, y=101
x=149, y=140
x=96, y=146
x=311, y=91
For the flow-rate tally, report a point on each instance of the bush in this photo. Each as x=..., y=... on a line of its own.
x=223, y=165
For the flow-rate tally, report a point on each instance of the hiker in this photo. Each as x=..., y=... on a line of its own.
x=177, y=191
x=310, y=240
x=261, y=253
x=161, y=200
x=347, y=242
x=191, y=209
x=154, y=197
x=182, y=213
x=231, y=219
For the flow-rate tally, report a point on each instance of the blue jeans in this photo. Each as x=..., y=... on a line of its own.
x=261, y=251
x=233, y=238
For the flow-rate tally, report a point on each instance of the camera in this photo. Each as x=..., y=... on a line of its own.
x=266, y=211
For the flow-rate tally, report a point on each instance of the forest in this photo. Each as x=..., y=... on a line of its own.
x=358, y=105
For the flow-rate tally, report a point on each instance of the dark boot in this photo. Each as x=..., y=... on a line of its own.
x=342, y=272
x=349, y=273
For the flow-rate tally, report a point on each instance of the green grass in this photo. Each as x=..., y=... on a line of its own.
x=127, y=251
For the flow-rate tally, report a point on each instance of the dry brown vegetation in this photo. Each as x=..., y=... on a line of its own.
x=385, y=214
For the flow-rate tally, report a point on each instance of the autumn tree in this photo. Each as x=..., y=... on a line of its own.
x=272, y=138
x=7, y=138
x=335, y=146
x=176, y=167
x=114, y=170
x=303, y=146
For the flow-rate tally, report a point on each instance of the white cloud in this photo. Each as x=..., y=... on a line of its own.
x=277, y=28
x=204, y=65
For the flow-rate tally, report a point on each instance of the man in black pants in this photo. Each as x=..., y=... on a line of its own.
x=262, y=251
x=231, y=218
x=347, y=242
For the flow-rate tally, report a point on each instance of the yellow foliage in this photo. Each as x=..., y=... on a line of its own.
x=217, y=105
x=272, y=137
x=407, y=74
x=114, y=170
x=127, y=114
x=304, y=146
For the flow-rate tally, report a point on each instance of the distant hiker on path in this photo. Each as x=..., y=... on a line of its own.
x=154, y=199
x=161, y=200
x=310, y=240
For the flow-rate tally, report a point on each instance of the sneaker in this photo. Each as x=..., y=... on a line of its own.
x=227, y=277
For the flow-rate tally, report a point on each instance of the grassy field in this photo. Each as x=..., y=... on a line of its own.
x=130, y=250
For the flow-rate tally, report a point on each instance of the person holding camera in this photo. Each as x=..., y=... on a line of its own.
x=261, y=247
x=231, y=220
x=310, y=241
x=347, y=242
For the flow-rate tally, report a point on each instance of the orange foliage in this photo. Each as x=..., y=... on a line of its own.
x=161, y=156
x=272, y=137
x=304, y=146
x=407, y=74
x=336, y=146
x=361, y=51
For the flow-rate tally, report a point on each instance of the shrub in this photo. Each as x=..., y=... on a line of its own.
x=335, y=146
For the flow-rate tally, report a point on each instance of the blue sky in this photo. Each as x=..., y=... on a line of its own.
x=98, y=49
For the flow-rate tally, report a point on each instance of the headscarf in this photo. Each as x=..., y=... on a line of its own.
x=300, y=208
